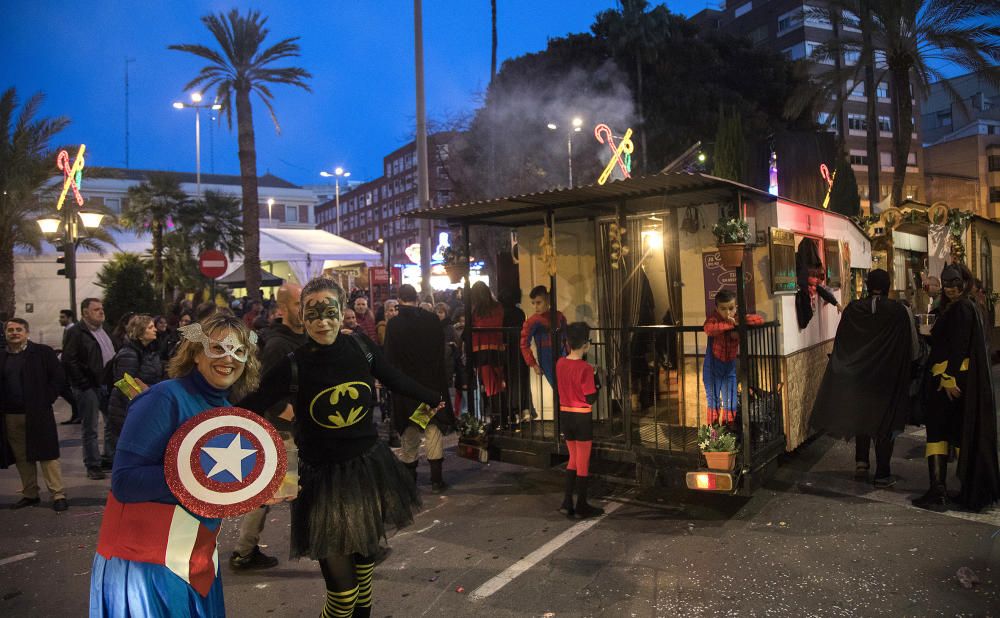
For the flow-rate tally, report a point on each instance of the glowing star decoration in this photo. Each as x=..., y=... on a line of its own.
x=828, y=177
x=621, y=155
x=72, y=175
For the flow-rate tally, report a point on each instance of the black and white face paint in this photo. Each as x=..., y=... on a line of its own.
x=322, y=314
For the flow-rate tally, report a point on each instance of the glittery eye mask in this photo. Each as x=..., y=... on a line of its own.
x=230, y=346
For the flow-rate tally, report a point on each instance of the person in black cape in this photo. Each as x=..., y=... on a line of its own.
x=865, y=390
x=959, y=401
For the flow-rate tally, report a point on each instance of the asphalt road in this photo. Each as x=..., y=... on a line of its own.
x=813, y=542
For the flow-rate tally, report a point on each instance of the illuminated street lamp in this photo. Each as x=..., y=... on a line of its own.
x=575, y=127
x=70, y=221
x=196, y=104
x=270, y=204
x=337, y=173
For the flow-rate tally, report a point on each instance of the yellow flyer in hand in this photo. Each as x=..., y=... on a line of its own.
x=130, y=386
x=423, y=415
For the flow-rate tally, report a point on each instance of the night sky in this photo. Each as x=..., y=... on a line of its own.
x=360, y=53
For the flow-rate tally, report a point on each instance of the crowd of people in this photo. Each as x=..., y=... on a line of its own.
x=406, y=357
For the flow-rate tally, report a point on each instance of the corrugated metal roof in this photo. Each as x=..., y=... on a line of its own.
x=674, y=189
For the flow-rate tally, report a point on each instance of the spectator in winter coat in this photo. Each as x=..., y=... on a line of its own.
x=366, y=319
x=137, y=357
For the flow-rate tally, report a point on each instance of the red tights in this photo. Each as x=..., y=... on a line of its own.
x=579, y=456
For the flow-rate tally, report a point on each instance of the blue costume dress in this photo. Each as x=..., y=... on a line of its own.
x=155, y=558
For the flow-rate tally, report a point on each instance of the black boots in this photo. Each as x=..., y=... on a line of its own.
x=567, y=503
x=583, y=509
x=936, y=498
x=437, y=482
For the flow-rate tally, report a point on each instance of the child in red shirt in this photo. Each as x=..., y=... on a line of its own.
x=721, y=352
x=577, y=391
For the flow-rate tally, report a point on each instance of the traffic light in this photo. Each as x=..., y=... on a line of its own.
x=68, y=261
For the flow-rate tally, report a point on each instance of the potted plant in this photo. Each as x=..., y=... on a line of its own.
x=472, y=440
x=456, y=262
x=732, y=235
x=718, y=445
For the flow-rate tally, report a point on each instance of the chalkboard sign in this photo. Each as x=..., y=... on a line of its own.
x=782, y=261
x=718, y=277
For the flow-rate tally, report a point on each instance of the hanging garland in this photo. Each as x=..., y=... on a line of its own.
x=958, y=222
x=548, y=251
x=617, y=249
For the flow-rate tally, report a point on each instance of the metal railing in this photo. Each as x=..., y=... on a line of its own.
x=652, y=391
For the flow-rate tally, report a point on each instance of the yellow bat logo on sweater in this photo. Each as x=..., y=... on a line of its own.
x=329, y=407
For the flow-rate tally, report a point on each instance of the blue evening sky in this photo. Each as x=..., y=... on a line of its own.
x=360, y=53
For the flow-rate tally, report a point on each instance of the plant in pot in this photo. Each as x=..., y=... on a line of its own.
x=472, y=440
x=732, y=235
x=456, y=261
x=718, y=445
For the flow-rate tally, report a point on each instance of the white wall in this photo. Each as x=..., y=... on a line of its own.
x=576, y=276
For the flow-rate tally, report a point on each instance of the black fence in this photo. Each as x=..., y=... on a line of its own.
x=651, y=394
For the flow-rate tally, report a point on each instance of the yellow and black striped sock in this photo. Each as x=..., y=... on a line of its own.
x=364, y=573
x=340, y=604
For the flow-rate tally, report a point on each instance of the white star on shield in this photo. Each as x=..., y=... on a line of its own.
x=229, y=459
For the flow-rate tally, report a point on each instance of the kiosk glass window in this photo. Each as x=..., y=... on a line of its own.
x=782, y=249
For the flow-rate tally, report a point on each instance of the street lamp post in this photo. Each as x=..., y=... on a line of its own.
x=575, y=127
x=196, y=104
x=337, y=173
x=270, y=204
x=70, y=221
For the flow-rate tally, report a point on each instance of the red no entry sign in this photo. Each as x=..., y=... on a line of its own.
x=212, y=263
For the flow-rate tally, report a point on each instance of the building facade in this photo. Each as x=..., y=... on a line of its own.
x=962, y=145
x=372, y=210
x=281, y=203
x=795, y=29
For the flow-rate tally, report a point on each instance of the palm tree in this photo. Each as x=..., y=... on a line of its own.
x=26, y=162
x=151, y=206
x=212, y=223
x=909, y=42
x=242, y=67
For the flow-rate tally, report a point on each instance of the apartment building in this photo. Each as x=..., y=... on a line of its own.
x=962, y=144
x=282, y=204
x=371, y=210
x=791, y=27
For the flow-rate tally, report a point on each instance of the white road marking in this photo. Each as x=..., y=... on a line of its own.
x=24, y=556
x=526, y=563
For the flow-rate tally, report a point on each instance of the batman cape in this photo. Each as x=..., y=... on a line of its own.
x=977, y=458
x=865, y=390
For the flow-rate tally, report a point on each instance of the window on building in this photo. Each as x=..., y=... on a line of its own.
x=944, y=118
x=855, y=90
x=851, y=57
x=823, y=117
x=758, y=35
x=811, y=51
x=790, y=21
x=291, y=214
x=857, y=122
x=743, y=9
x=882, y=91
x=816, y=18
x=994, y=195
x=910, y=192
x=859, y=157
x=911, y=159
x=884, y=124
x=993, y=162
x=795, y=52
x=885, y=160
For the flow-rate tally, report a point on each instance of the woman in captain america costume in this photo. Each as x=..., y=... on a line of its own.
x=154, y=557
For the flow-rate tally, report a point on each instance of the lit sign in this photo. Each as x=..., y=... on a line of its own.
x=413, y=252
x=72, y=175
x=772, y=174
x=621, y=155
x=828, y=177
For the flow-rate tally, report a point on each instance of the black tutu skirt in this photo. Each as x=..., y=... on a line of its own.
x=346, y=508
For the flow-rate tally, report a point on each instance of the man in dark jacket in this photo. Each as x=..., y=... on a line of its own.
x=865, y=390
x=67, y=320
x=414, y=344
x=87, y=349
x=278, y=341
x=30, y=381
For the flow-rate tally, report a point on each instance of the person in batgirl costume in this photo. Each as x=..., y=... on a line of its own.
x=154, y=557
x=352, y=486
x=959, y=401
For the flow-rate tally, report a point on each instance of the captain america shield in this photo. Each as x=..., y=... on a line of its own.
x=224, y=462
